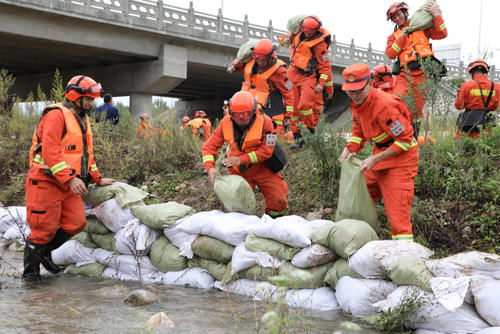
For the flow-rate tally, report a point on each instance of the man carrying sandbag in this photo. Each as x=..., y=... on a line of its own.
x=410, y=48
x=391, y=169
x=266, y=78
x=479, y=98
x=61, y=166
x=252, y=151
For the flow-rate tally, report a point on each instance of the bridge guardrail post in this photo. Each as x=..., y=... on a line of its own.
x=161, y=14
x=220, y=21
x=190, y=17
x=270, y=30
x=370, y=54
x=352, y=49
x=245, y=27
x=461, y=69
x=492, y=72
x=88, y=3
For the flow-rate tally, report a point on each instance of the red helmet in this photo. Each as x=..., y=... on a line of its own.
x=382, y=71
x=82, y=85
x=263, y=49
x=395, y=7
x=311, y=23
x=144, y=116
x=242, y=106
x=199, y=113
x=478, y=63
x=185, y=119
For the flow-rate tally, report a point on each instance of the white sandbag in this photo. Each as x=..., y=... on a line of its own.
x=258, y=290
x=321, y=299
x=15, y=232
x=426, y=331
x=73, y=252
x=112, y=215
x=115, y=274
x=432, y=315
x=135, y=238
x=12, y=216
x=474, y=264
x=373, y=259
x=357, y=295
x=194, y=277
x=450, y=292
x=313, y=255
x=231, y=227
x=243, y=259
x=486, y=297
x=138, y=267
x=491, y=330
x=179, y=238
x=294, y=231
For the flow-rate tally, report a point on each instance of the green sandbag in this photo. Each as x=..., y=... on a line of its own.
x=344, y=237
x=294, y=23
x=355, y=201
x=94, y=226
x=298, y=278
x=158, y=215
x=91, y=270
x=340, y=269
x=410, y=271
x=254, y=273
x=215, y=268
x=212, y=249
x=85, y=239
x=105, y=241
x=421, y=19
x=256, y=244
x=235, y=193
x=165, y=256
x=16, y=246
x=245, y=51
x=122, y=192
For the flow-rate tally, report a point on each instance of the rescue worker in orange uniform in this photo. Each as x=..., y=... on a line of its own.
x=309, y=72
x=391, y=169
x=61, y=166
x=144, y=128
x=197, y=128
x=207, y=125
x=185, y=121
x=409, y=48
x=480, y=98
x=266, y=78
x=252, y=139
x=382, y=78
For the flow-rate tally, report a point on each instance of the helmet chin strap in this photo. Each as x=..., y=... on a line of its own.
x=80, y=107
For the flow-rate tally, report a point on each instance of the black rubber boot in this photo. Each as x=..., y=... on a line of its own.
x=32, y=258
x=298, y=143
x=60, y=238
x=312, y=130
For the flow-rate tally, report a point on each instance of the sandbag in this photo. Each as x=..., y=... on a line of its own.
x=432, y=315
x=409, y=271
x=355, y=201
x=451, y=292
x=17, y=246
x=15, y=232
x=280, y=250
x=474, y=264
x=194, y=277
x=212, y=249
x=486, y=298
x=116, y=274
x=313, y=256
x=165, y=256
x=298, y=278
x=85, y=239
x=491, y=330
x=243, y=259
x=255, y=273
x=293, y=24
x=258, y=290
x=122, y=192
x=294, y=231
x=12, y=216
x=158, y=215
x=356, y=295
x=135, y=238
x=179, y=238
x=235, y=193
x=94, y=226
x=373, y=259
x=73, y=252
x=320, y=299
x=421, y=19
x=245, y=51
x=91, y=270
x=216, y=269
x=112, y=215
x=340, y=269
x=345, y=237
x=105, y=241
x=129, y=267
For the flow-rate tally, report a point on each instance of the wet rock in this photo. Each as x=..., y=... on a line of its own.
x=141, y=297
x=113, y=291
x=160, y=321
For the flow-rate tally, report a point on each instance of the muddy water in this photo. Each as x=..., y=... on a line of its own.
x=77, y=304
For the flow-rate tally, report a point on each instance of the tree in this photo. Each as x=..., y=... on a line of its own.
x=57, y=90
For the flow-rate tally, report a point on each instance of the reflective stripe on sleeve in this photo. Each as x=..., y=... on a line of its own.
x=306, y=112
x=295, y=118
x=323, y=76
x=442, y=26
x=289, y=108
x=396, y=47
x=406, y=146
x=380, y=137
x=253, y=157
x=356, y=140
x=328, y=83
x=38, y=159
x=58, y=167
x=208, y=157
x=93, y=168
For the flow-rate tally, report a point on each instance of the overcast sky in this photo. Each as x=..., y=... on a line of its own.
x=365, y=21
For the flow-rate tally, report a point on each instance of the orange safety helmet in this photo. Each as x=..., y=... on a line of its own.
x=199, y=113
x=82, y=85
x=312, y=23
x=395, y=7
x=382, y=72
x=185, y=119
x=144, y=116
x=242, y=106
x=263, y=49
x=478, y=63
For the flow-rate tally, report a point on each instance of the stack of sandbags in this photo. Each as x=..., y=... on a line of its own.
x=13, y=225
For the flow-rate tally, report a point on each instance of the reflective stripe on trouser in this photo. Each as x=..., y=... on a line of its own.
x=272, y=186
x=402, y=84
x=304, y=97
x=396, y=187
x=49, y=206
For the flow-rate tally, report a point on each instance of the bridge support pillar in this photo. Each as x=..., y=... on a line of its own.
x=140, y=103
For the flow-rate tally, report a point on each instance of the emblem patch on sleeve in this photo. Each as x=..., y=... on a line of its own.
x=325, y=57
x=396, y=128
x=271, y=139
x=288, y=85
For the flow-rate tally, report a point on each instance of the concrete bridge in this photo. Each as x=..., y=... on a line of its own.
x=142, y=48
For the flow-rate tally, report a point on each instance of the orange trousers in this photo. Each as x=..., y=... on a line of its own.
x=304, y=97
x=272, y=186
x=49, y=206
x=414, y=79
x=396, y=187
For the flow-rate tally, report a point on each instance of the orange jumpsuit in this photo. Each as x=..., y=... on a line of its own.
x=385, y=86
x=310, y=65
x=50, y=203
x=386, y=121
x=207, y=128
x=319, y=103
x=469, y=98
x=144, y=129
x=197, y=126
x=253, y=145
x=397, y=46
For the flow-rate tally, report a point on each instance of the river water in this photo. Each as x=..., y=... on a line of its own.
x=78, y=304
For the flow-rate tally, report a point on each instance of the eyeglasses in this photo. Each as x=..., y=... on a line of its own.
x=241, y=115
